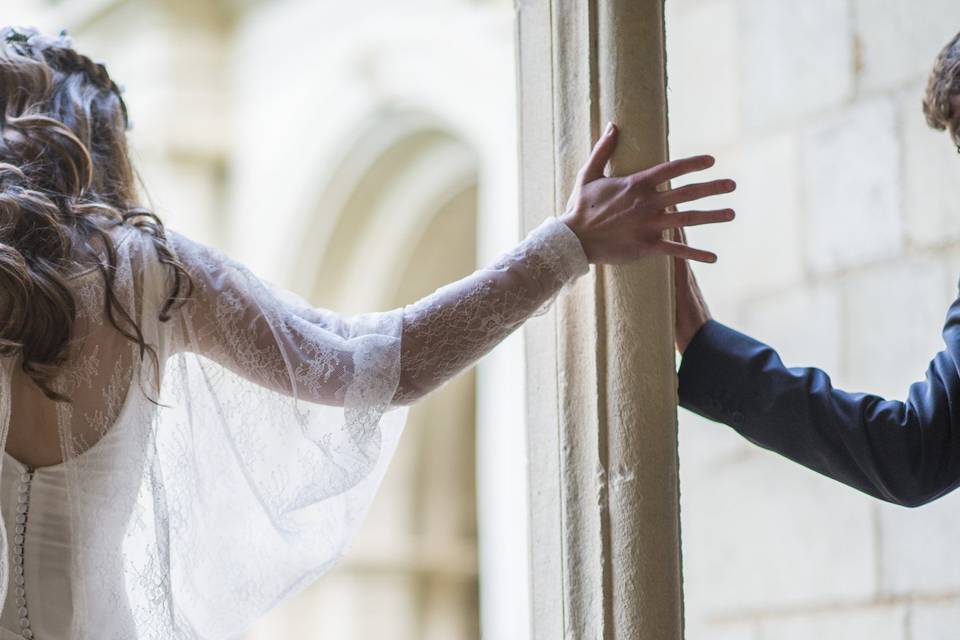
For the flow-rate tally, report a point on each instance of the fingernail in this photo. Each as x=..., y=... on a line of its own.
x=609, y=129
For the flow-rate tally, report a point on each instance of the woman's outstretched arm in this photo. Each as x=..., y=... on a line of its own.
x=905, y=452
x=279, y=342
x=608, y=220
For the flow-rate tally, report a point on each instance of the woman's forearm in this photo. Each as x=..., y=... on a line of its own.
x=446, y=332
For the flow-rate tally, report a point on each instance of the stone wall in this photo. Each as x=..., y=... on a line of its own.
x=845, y=256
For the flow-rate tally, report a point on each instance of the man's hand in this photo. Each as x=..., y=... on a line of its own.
x=692, y=310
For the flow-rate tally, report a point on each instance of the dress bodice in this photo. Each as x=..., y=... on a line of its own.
x=58, y=558
x=35, y=517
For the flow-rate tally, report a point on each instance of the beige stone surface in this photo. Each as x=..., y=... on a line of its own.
x=876, y=623
x=770, y=220
x=603, y=436
x=853, y=187
x=937, y=620
x=898, y=40
x=889, y=346
x=800, y=541
x=917, y=550
x=930, y=166
x=796, y=59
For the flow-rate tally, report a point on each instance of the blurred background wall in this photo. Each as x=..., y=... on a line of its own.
x=364, y=153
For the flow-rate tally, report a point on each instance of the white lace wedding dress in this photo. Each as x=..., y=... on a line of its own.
x=198, y=494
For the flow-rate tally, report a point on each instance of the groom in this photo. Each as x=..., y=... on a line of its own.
x=907, y=453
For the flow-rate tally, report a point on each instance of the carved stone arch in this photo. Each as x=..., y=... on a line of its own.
x=396, y=220
x=401, y=78
x=369, y=217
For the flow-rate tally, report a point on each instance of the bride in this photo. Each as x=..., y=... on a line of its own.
x=184, y=445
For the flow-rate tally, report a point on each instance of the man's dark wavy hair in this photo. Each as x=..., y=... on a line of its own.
x=66, y=179
x=942, y=87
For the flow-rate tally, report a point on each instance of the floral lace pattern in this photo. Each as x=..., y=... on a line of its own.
x=202, y=499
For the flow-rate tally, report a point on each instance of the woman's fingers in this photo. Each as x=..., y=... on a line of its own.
x=678, y=250
x=600, y=156
x=693, y=192
x=676, y=168
x=695, y=218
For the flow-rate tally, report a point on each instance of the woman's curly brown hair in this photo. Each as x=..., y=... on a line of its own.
x=65, y=180
x=942, y=87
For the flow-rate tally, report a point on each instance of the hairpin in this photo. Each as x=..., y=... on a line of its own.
x=17, y=37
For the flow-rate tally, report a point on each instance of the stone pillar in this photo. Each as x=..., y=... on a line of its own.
x=605, y=535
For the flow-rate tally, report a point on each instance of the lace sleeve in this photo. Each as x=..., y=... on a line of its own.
x=278, y=341
x=275, y=425
x=449, y=330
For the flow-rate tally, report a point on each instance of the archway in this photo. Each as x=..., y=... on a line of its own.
x=397, y=221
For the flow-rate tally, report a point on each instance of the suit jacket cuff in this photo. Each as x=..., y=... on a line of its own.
x=713, y=376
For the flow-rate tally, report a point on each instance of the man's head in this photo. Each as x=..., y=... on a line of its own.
x=941, y=104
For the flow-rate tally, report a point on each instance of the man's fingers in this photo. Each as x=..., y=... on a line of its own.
x=676, y=168
x=601, y=154
x=695, y=218
x=693, y=192
x=678, y=250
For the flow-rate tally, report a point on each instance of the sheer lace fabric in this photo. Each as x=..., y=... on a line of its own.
x=195, y=495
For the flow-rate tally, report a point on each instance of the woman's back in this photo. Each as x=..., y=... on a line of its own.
x=253, y=429
x=97, y=374
x=71, y=471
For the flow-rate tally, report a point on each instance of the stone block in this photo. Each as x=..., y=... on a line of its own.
x=931, y=182
x=721, y=292
x=706, y=446
x=703, y=91
x=761, y=533
x=706, y=630
x=918, y=548
x=796, y=59
x=879, y=623
x=935, y=621
x=853, y=188
x=893, y=319
x=900, y=40
x=762, y=250
x=804, y=324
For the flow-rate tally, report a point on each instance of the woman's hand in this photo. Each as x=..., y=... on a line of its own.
x=692, y=310
x=620, y=220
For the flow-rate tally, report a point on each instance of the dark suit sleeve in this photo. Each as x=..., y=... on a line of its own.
x=907, y=452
